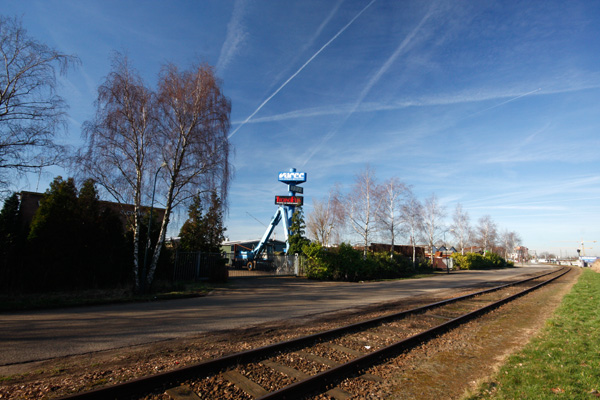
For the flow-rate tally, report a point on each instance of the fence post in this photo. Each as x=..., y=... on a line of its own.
x=198, y=259
x=296, y=264
x=175, y=266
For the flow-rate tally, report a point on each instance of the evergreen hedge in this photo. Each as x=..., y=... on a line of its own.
x=344, y=263
x=478, y=261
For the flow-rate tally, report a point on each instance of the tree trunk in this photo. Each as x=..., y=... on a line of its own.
x=162, y=234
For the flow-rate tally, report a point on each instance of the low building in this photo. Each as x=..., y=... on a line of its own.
x=441, y=257
x=405, y=250
x=520, y=254
x=30, y=202
x=235, y=246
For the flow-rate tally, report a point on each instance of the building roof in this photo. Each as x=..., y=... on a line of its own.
x=233, y=242
x=30, y=202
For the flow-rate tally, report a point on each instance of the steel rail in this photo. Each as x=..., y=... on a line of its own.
x=335, y=375
x=211, y=367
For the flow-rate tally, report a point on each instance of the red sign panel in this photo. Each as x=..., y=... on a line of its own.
x=289, y=200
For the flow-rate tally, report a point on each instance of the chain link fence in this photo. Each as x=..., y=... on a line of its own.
x=193, y=266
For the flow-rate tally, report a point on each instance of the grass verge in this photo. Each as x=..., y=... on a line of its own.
x=564, y=360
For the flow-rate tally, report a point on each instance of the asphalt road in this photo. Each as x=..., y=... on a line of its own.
x=41, y=335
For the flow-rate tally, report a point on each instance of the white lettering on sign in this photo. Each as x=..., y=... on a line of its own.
x=292, y=176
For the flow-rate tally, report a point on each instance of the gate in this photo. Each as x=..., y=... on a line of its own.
x=194, y=266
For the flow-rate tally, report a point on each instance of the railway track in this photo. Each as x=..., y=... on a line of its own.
x=314, y=365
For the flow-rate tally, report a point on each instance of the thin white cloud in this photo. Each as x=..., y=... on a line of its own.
x=310, y=42
x=404, y=45
x=236, y=35
x=368, y=107
x=567, y=190
x=301, y=68
x=372, y=82
x=523, y=207
x=506, y=95
x=502, y=103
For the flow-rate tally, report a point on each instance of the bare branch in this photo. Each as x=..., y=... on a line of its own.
x=30, y=110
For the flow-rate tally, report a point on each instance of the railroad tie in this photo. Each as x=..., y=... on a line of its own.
x=245, y=384
x=317, y=359
x=443, y=317
x=284, y=369
x=355, y=353
x=182, y=392
x=336, y=392
x=344, y=349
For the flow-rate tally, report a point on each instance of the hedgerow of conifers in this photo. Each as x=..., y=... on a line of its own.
x=478, y=261
x=345, y=263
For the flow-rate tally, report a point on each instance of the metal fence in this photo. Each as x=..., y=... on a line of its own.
x=193, y=266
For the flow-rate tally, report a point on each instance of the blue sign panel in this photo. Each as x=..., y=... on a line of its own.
x=292, y=177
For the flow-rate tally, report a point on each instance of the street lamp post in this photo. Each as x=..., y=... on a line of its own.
x=148, y=243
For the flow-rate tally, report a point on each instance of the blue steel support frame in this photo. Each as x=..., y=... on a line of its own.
x=283, y=211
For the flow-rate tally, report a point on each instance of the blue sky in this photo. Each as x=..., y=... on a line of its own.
x=494, y=105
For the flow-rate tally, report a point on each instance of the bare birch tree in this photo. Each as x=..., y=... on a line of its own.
x=120, y=142
x=487, y=233
x=193, y=116
x=362, y=206
x=433, y=216
x=325, y=218
x=393, y=194
x=412, y=218
x=510, y=240
x=30, y=110
x=180, y=132
x=460, y=227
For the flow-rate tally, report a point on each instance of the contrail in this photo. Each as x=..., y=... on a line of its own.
x=382, y=70
x=235, y=36
x=386, y=66
x=301, y=68
x=507, y=101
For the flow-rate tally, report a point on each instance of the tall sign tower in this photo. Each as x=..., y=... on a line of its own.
x=292, y=179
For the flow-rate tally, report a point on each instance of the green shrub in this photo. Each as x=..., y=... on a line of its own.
x=317, y=266
x=477, y=261
x=344, y=263
x=349, y=264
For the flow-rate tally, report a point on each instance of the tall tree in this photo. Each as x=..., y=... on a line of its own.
x=487, y=233
x=412, y=218
x=460, y=226
x=53, y=237
x=362, y=206
x=30, y=109
x=203, y=231
x=433, y=215
x=193, y=122
x=100, y=247
x=182, y=127
x=297, y=240
x=12, y=242
x=325, y=217
x=393, y=194
x=191, y=234
x=215, y=230
x=120, y=142
x=510, y=240
x=9, y=222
